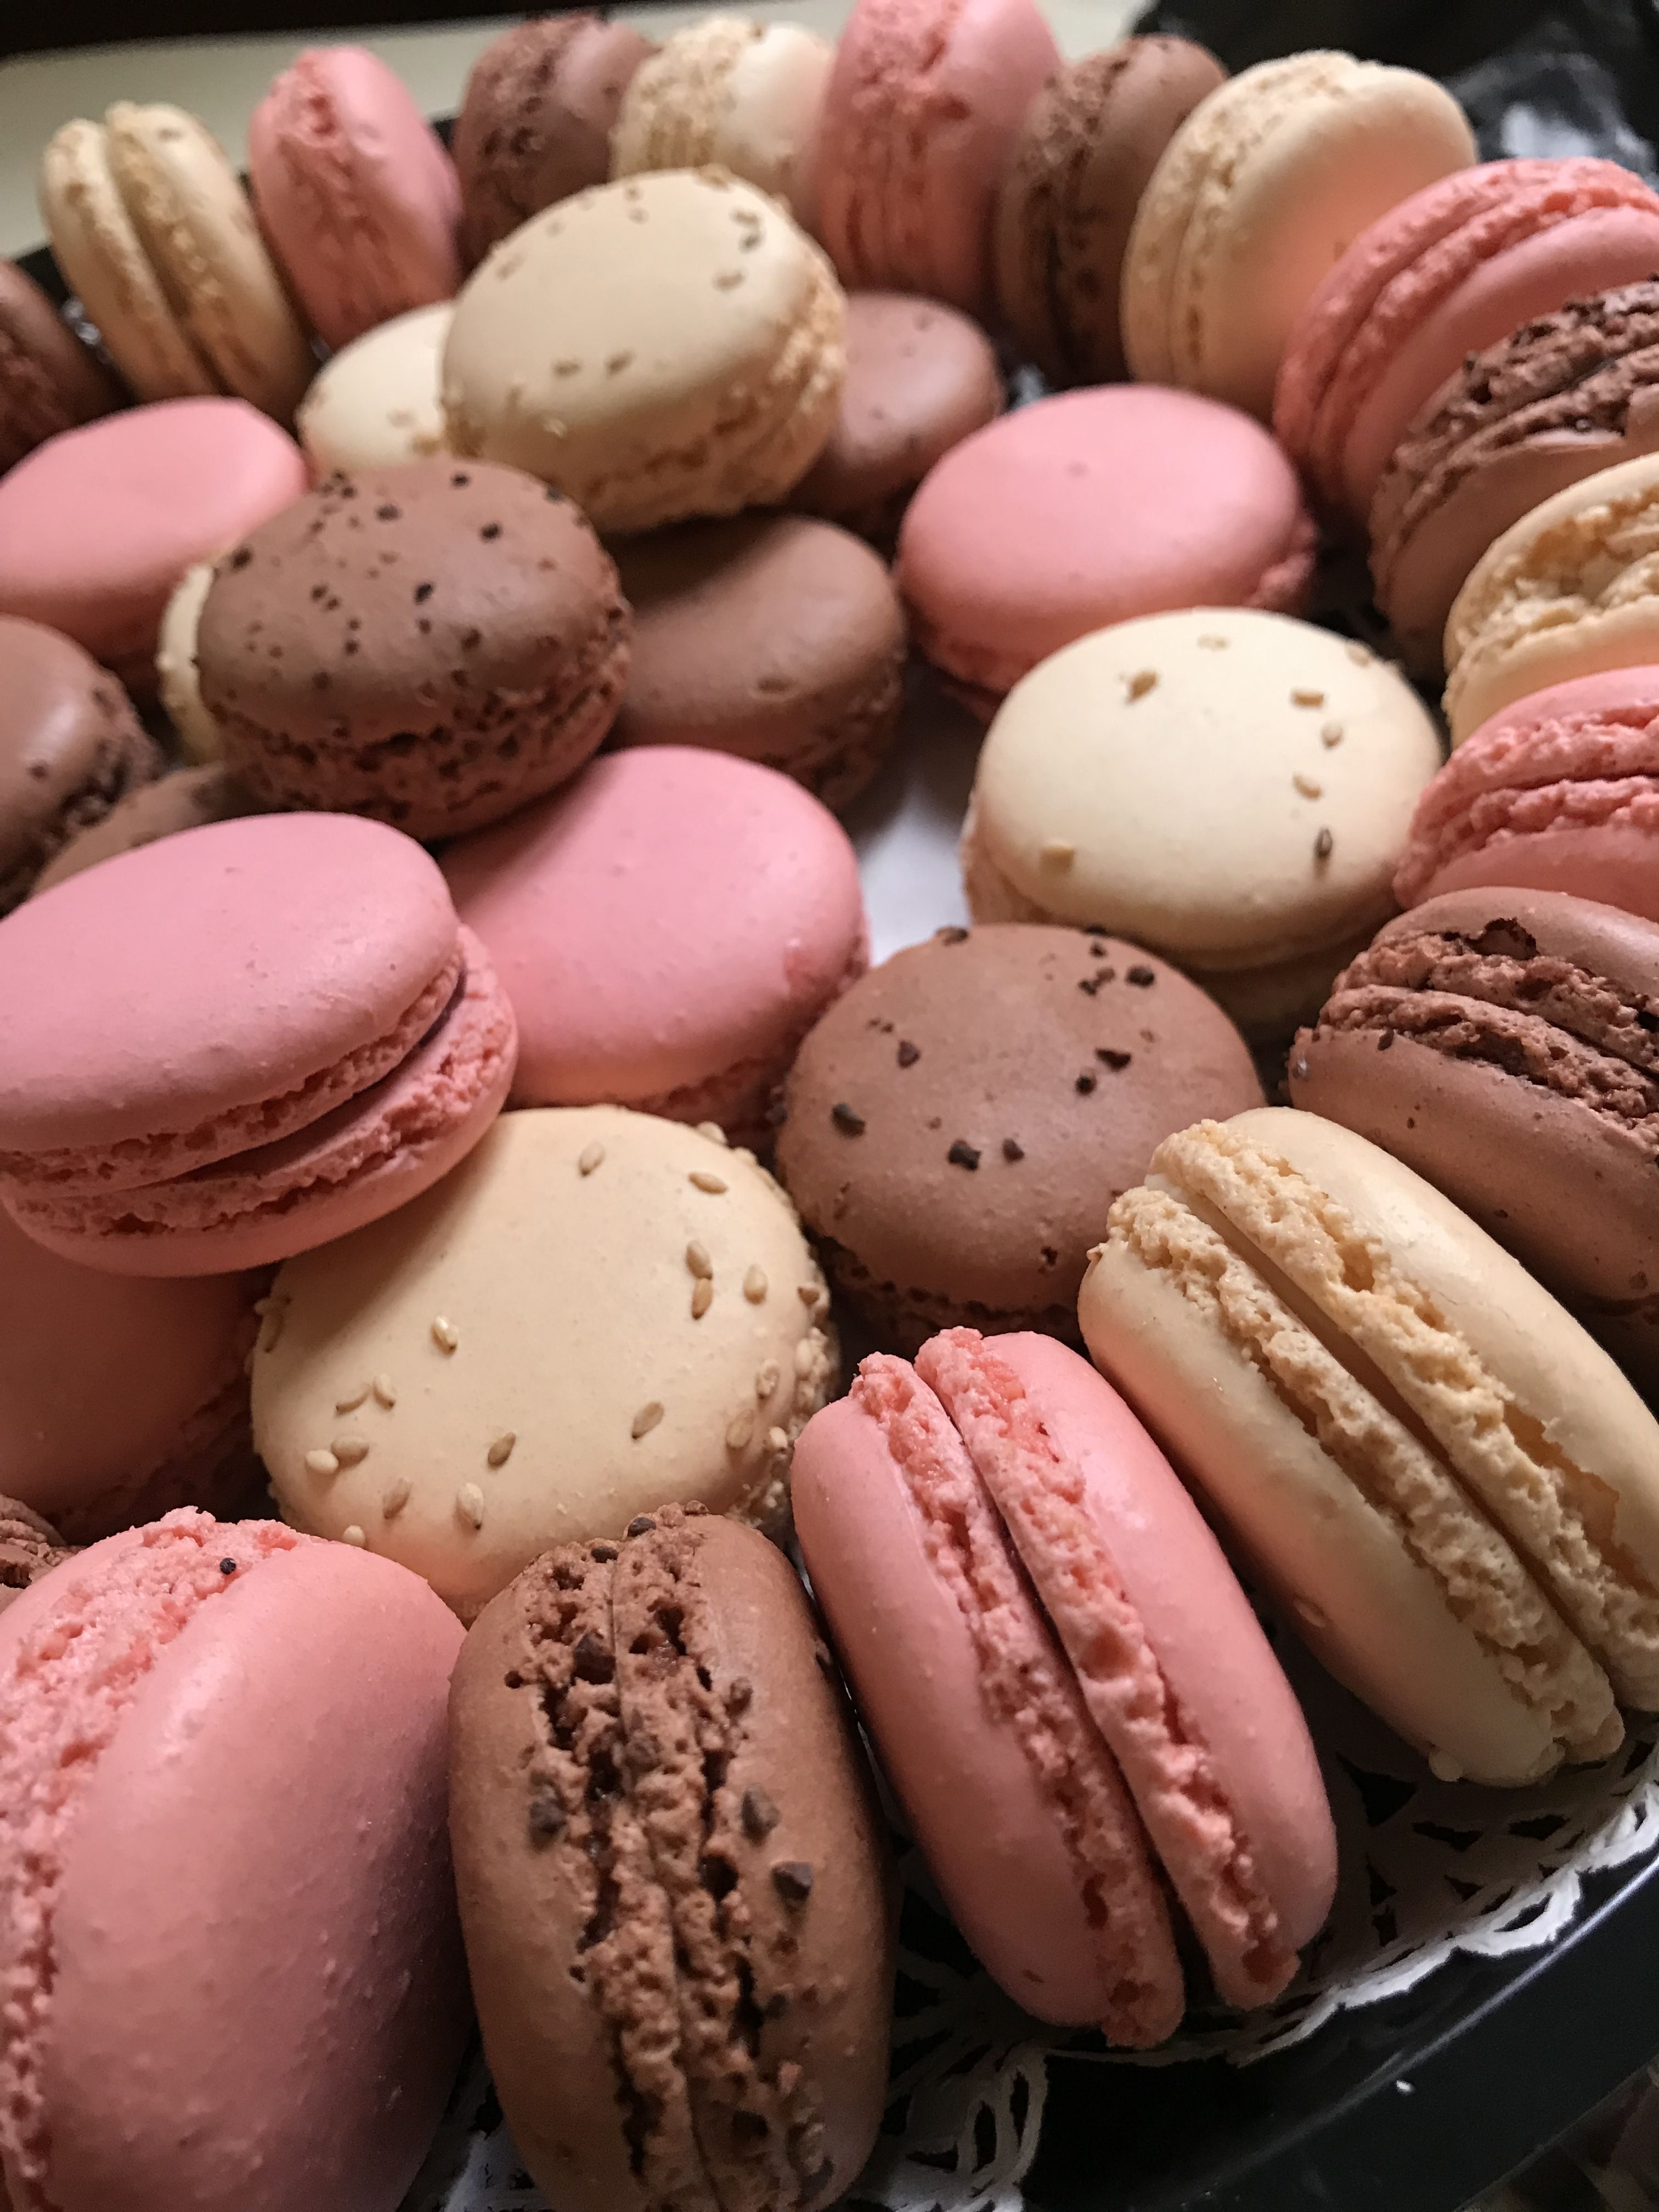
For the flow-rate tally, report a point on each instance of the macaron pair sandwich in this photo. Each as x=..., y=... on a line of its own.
x=237, y=1042
x=1064, y=1683
x=1446, y=1485
x=228, y=1926
x=673, y=1879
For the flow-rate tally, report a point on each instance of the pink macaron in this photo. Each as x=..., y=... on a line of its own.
x=1453, y=269
x=668, y=929
x=355, y=194
x=98, y=524
x=920, y=119
x=1064, y=1682
x=1558, y=792
x=227, y=1930
x=242, y=1042
x=1090, y=509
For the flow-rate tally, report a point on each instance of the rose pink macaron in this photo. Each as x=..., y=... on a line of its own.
x=228, y=1937
x=1090, y=509
x=242, y=1042
x=1064, y=1681
x=668, y=930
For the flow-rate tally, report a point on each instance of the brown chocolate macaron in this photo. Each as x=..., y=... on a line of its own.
x=433, y=645
x=49, y=381
x=1506, y=1045
x=188, y=801
x=672, y=1879
x=71, y=748
x=959, y=1123
x=774, y=637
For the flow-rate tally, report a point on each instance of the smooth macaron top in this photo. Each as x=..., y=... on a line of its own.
x=675, y=912
x=214, y=971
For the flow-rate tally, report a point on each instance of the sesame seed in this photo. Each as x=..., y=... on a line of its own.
x=500, y=1450
x=1307, y=787
x=1322, y=844
x=350, y=1450
x=384, y=1391
x=702, y=1297
x=755, y=1287
x=322, y=1462
x=767, y=1376
x=697, y=1258
x=1138, y=685
x=1058, y=854
x=1385, y=1042
x=1142, y=978
x=1331, y=735
x=1212, y=643
x=395, y=1497
x=740, y=1430
x=591, y=1157
x=354, y=1534
x=350, y=1403
x=714, y=1132
x=703, y=1180
x=954, y=934
x=470, y=1503
x=811, y=1295
x=1115, y=1061
x=1360, y=654
x=806, y=1357
x=1301, y=697
x=646, y=1419
x=444, y=1334
x=847, y=1118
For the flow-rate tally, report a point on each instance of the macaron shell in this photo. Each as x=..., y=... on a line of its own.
x=49, y=381
x=376, y=404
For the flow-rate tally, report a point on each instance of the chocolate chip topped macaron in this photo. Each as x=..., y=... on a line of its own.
x=433, y=645
x=958, y=1124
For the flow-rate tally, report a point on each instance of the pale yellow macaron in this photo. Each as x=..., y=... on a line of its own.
x=666, y=346
x=598, y=1313
x=376, y=403
x=1570, y=589
x=1231, y=789
x=1451, y=1488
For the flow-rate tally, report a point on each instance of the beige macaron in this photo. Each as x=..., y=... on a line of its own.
x=1263, y=188
x=666, y=346
x=598, y=1313
x=151, y=226
x=1451, y=1488
x=1570, y=589
x=376, y=403
x=1231, y=789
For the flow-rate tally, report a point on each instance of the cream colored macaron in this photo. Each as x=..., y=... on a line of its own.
x=376, y=403
x=597, y=1312
x=1450, y=1487
x=1232, y=788
x=177, y=676
x=1568, y=590
x=666, y=346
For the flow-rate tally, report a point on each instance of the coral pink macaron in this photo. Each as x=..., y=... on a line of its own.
x=1557, y=792
x=355, y=192
x=1453, y=269
x=668, y=930
x=239, y=1042
x=1090, y=509
x=228, y=1929
x=1064, y=1682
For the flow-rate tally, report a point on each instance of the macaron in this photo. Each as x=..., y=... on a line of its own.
x=958, y=1125
x=1565, y=592
x=1449, y=1487
x=403, y=1392
x=1559, y=791
x=151, y=227
x=1084, y=156
x=178, y=679
x=223, y=1758
x=433, y=645
x=920, y=377
x=536, y=122
x=673, y=1878
x=354, y=191
x=668, y=929
x=1455, y=267
x=376, y=403
x=775, y=637
x=1038, y=1625
x=1267, y=183
x=71, y=749
x=729, y=90
x=1090, y=509
x=188, y=800
x=49, y=381
x=676, y=291
x=98, y=524
x=120, y=1401
x=1500, y=1043
x=239, y=1041
x=1562, y=397
x=29, y=1547
x=920, y=116
x=1232, y=788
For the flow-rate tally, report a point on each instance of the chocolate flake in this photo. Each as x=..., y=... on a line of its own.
x=1091, y=984
x=908, y=1053
x=1115, y=1061
x=1142, y=978
x=592, y=1662
x=423, y=593
x=793, y=1878
x=739, y=1695
x=1085, y=1083
x=490, y=530
x=1385, y=1041
x=954, y=935
x=1013, y=1149
x=547, y=1817
x=760, y=1814
x=602, y=1553
x=847, y=1118
x=227, y=1567
x=641, y=1525
x=963, y=1155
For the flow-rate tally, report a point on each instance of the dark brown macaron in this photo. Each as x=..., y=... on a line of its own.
x=188, y=801
x=1506, y=1045
x=959, y=1123
x=535, y=121
x=673, y=1882
x=49, y=381
x=433, y=645
x=71, y=747
x=1089, y=141
x=920, y=377
x=29, y=1547
x=775, y=637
